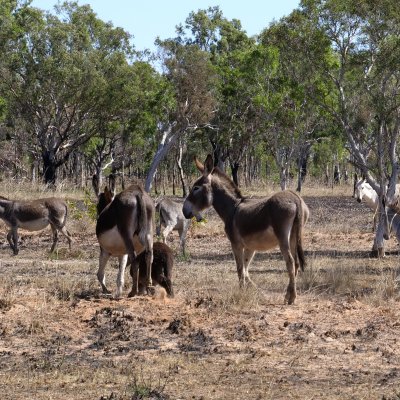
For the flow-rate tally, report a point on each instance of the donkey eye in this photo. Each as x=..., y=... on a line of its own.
x=196, y=188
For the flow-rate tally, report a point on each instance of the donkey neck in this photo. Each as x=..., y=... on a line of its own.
x=225, y=202
x=371, y=198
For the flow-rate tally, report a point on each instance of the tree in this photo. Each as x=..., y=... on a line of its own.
x=365, y=39
x=56, y=76
x=190, y=73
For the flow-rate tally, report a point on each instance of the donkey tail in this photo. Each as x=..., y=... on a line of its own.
x=143, y=227
x=300, y=225
x=65, y=216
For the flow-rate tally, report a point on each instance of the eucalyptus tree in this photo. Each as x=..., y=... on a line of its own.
x=134, y=99
x=188, y=70
x=364, y=73
x=232, y=53
x=56, y=77
x=291, y=122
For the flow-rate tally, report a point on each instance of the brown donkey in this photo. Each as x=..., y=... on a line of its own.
x=252, y=224
x=125, y=228
x=163, y=257
x=34, y=215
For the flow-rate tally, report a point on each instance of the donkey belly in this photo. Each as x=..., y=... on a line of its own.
x=261, y=241
x=112, y=242
x=35, y=225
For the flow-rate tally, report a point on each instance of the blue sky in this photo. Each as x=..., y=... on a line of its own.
x=146, y=19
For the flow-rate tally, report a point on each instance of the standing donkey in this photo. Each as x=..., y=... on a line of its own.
x=252, y=224
x=163, y=257
x=172, y=218
x=125, y=228
x=363, y=191
x=34, y=215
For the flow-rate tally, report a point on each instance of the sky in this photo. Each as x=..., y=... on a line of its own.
x=147, y=19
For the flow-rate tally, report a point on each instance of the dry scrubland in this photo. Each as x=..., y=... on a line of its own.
x=61, y=339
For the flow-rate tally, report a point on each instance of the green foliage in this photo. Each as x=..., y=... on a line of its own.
x=91, y=206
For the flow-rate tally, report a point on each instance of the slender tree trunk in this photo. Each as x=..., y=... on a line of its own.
x=299, y=176
x=283, y=178
x=180, y=170
x=378, y=248
x=235, y=170
x=167, y=141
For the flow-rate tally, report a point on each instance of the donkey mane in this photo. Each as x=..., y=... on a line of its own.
x=227, y=182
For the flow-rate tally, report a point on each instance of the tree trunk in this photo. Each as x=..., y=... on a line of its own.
x=49, y=167
x=235, y=169
x=218, y=155
x=167, y=141
x=180, y=170
x=283, y=178
x=378, y=249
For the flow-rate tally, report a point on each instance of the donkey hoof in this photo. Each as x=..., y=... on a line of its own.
x=290, y=298
x=151, y=290
x=132, y=293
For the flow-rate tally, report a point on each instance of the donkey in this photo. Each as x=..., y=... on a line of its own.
x=252, y=224
x=125, y=228
x=34, y=215
x=163, y=257
x=161, y=269
x=172, y=218
x=364, y=191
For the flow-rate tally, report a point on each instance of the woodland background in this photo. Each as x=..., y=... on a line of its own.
x=314, y=92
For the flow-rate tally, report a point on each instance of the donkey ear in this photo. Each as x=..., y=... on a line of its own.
x=208, y=165
x=199, y=165
x=108, y=195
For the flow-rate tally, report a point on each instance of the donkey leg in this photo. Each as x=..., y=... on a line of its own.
x=293, y=250
x=182, y=238
x=121, y=275
x=247, y=258
x=137, y=287
x=291, y=289
x=55, y=237
x=149, y=263
x=238, y=254
x=166, y=232
x=104, y=256
x=64, y=231
x=12, y=236
x=10, y=239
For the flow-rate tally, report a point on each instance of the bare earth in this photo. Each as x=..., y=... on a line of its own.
x=61, y=339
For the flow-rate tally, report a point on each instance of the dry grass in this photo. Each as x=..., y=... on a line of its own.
x=61, y=339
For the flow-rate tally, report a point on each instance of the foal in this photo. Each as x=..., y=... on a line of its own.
x=252, y=224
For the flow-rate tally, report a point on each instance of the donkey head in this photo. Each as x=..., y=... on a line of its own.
x=361, y=188
x=104, y=200
x=200, y=196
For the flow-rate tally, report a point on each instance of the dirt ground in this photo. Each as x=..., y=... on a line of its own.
x=60, y=338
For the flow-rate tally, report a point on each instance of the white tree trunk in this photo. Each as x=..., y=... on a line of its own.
x=168, y=139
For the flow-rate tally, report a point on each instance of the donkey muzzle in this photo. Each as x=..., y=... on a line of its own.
x=189, y=213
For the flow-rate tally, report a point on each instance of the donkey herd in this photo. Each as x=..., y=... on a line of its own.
x=124, y=226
